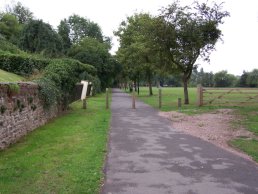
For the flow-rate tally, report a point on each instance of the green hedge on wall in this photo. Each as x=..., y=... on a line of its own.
x=59, y=79
x=23, y=65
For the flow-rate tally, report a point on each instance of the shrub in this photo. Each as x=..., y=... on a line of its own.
x=23, y=65
x=9, y=47
x=59, y=80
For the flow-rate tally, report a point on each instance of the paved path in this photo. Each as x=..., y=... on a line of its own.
x=147, y=156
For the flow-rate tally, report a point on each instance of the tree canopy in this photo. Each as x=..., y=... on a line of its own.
x=39, y=37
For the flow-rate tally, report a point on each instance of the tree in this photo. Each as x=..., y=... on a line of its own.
x=80, y=28
x=223, y=79
x=39, y=37
x=252, y=79
x=188, y=33
x=95, y=53
x=9, y=27
x=23, y=14
x=137, y=51
x=243, y=79
x=64, y=32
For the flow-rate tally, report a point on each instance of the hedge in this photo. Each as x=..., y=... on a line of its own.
x=59, y=79
x=23, y=65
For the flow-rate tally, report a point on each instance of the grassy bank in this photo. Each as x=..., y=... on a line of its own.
x=9, y=77
x=64, y=156
x=170, y=97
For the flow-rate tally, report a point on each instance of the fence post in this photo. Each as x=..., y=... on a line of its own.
x=199, y=95
x=133, y=100
x=107, y=99
x=84, y=103
x=179, y=103
x=160, y=98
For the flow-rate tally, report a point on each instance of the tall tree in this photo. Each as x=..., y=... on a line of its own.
x=189, y=33
x=93, y=52
x=39, y=37
x=252, y=79
x=64, y=32
x=137, y=52
x=223, y=79
x=80, y=27
x=22, y=13
x=9, y=27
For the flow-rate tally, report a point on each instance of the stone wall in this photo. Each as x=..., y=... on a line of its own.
x=21, y=113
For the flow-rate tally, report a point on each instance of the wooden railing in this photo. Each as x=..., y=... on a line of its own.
x=227, y=96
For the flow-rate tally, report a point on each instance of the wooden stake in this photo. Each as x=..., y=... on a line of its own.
x=160, y=98
x=84, y=103
x=199, y=95
x=133, y=100
x=179, y=103
x=107, y=104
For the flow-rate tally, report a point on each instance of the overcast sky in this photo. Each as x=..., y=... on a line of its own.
x=237, y=52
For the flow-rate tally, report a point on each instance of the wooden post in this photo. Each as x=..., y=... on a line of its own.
x=107, y=104
x=199, y=95
x=133, y=100
x=179, y=103
x=160, y=98
x=84, y=103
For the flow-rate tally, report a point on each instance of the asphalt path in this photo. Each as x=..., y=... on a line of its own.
x=147, y=156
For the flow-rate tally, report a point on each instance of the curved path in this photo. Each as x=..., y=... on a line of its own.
x=147, y=156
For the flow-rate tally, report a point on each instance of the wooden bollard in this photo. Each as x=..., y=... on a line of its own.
x=160, y=98
x=133, y=100
x=179, y=103
x=107, y=104
x=84, y=103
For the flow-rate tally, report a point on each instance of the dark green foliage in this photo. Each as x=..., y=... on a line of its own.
x=48, y=92
x=80, y=28
x=59, y=80
x=64, y=32
x=39, y=37
x=23, y=65
x=223, y=79
x=91, y=51
x=252, y=79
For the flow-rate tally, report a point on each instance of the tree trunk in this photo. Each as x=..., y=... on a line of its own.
x=135, y=85
x=185, y=82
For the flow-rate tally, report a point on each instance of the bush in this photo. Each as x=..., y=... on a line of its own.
x=48, y=92
x=59, y=80
x=9, y=47
x=23, y=65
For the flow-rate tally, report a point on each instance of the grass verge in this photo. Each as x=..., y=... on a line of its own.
x=248, y=146
x=9, y=77
x=64, y=156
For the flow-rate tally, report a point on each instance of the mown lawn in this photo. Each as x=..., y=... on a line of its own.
x=249, y=113
x=9, y=77
x=64, y=156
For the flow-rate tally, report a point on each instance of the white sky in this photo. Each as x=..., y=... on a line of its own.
x=238, y=52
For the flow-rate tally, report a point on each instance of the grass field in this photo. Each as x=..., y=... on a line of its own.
x=249, y=113
x=9, y=77
x=64, y=156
